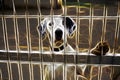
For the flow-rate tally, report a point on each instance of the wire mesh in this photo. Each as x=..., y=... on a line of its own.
x=25, y=54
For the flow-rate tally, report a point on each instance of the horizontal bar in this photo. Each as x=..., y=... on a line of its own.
x=81, y=17
x=82, y=58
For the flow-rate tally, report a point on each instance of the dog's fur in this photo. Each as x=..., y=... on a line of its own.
x=58, y=28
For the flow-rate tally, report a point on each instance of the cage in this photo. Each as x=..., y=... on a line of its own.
x=26, y=55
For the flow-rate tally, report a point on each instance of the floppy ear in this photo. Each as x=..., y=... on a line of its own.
x=69, y=24
x=42, y=28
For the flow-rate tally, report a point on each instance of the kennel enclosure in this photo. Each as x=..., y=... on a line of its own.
x=23, y=52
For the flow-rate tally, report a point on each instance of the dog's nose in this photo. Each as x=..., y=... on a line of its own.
x=58, y=34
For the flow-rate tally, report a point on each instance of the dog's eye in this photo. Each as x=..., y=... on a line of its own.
x=51, y=24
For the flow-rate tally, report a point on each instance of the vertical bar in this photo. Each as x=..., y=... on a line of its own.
x=17, y=45
x=15, y=71
x=27, y=28
x=76, y=17
x=31, y=70
x=40, y=41
x=102, y=39
x=104, y=24
x=9, y=69
x=2, y=42
x=22, y=33
x=90, y=29
x=26, y=71
x=8, y=63
x=78, y=24
x=30, y=65
x=36, y=71
x=5, y=33
x=4, y=70
x=40, y=49
x=78, y=27
x=77, y=37
x=52, y=51
x=65, y=51
x=1, y=75
x=90, y=33
x=17, y=38
x=28, y=37
x=20, y=71
x=65, y=66
x=16, y=28
x=11, y=33
x=117, y=29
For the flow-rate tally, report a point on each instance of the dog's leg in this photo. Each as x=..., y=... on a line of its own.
x=100, y=49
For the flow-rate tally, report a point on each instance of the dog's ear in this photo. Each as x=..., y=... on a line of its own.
x=69, y=25
x=42, y=27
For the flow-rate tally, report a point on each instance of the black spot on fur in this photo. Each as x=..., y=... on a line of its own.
x=67, y=22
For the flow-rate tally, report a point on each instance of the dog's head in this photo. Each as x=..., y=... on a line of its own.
x=58, y=27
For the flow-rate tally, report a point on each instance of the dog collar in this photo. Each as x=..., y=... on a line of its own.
x=59, y=48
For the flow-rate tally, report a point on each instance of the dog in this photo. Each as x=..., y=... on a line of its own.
x=58, y=28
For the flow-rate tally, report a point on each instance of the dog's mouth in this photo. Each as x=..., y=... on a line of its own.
x=58, y=43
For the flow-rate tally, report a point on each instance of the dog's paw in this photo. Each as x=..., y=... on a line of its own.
x=101, y=48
